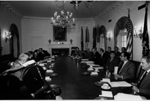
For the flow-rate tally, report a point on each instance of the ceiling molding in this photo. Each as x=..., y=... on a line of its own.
x=110, y=8
x=11, y=9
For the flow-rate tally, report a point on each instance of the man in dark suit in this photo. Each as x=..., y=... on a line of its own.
x=111, y=62
x=103, y=57
x=126, y=70
x=143, y=84
x=95, y=56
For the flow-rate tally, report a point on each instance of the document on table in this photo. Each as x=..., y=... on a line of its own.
x=120, y=84
x=94, y=73
x=98, y=67
x=49, y=71
x=89, y=62
x=106, y=94
x=129, y=97
x=84, y=59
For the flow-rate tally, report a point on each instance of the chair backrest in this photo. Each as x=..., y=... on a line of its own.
x=137, y=68
x=33, y=78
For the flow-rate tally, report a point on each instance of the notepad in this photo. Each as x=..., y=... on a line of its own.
x=90, y=69
x=106, y=94
x=49, y=71
x=88, y=62
x=123, y=96
x=84, y=59
x=98, y=67
x=47, y=78
x=94, y=73
x=120, y=84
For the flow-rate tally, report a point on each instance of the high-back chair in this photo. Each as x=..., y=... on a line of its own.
x=37, y=86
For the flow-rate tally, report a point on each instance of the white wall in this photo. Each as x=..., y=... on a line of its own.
x=33, y=26
x=137, y=17
x=6, y=19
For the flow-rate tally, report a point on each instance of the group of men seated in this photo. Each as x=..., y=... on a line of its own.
x=126, y=68
x=34, y=81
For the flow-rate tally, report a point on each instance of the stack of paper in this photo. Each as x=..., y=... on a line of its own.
x=47, y=78
x=88, y=62
x=84, y=59
x=94, y=73
x=49, y=71
x=123, y=96
x=106, y=94
x=120, y=84
x=90, y=69
x=98, y=67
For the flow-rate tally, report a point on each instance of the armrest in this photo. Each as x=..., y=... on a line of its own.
x=41, y=90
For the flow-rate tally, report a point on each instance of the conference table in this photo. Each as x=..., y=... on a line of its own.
x=73, y=83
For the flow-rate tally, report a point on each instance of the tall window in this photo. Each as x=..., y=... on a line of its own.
x=124, y=41
x=102, y=41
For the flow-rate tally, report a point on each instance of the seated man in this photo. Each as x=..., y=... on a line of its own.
x=87, y=54
x=111, y=62
x=95, y=56
x=143, y=84
x=77, y=53
x=18, y=64
x=103, y=57
x=126, y=69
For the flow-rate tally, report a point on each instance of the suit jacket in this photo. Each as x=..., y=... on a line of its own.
x=128, y=70
x=96, y=57
x=103, y=59
x=144, y=87
x=110, y=64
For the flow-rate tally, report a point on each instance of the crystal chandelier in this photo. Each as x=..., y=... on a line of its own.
x=63, y=20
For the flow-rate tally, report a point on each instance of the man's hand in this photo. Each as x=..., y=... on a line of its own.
x=117, y=76
x=135, y=89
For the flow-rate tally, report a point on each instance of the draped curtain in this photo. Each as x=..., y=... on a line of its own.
x=122, y=23
x=82, y=43
x=94, y=37
x=87, y=38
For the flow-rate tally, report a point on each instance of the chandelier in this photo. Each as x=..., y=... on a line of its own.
x=63, y=20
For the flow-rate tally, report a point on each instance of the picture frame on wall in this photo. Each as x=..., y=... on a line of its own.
x=59, y=33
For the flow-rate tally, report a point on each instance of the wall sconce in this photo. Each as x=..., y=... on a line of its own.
x=49, y=41
x=71, y=41
x=138, y=32
x=7, y=36
x=109, y=35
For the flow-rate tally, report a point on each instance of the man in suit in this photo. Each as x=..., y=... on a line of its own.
x=126, y=70
x=103, y=57
x=143, y=85
x=111, y=62
x=95, y=56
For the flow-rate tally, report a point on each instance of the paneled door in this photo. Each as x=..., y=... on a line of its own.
x=37, y=42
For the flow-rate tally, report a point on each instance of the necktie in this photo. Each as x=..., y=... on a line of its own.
x=121, y=68
x=141, y=78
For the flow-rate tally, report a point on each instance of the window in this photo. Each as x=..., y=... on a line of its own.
x=124, y=41
x=102, y=44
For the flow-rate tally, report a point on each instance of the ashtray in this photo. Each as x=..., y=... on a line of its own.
x=105, y=86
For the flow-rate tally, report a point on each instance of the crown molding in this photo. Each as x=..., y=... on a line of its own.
x=110, y=8
x=10, y=8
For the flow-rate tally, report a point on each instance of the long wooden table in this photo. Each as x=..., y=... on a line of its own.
x=73, y=84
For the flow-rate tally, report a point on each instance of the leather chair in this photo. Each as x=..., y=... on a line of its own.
x=138, y=69
x=73, y=50
x=37, y=86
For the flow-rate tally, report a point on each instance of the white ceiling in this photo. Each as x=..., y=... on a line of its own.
x=47, y=8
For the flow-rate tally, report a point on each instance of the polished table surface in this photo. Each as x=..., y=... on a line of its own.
x=73, y=84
